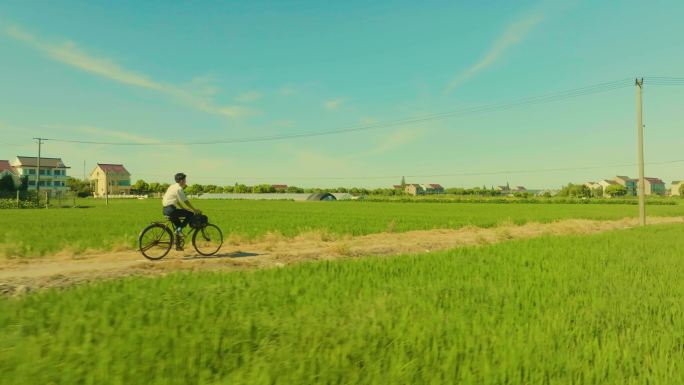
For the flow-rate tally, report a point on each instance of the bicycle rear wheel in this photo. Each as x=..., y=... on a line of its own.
x=207, y=240
x=155, y=241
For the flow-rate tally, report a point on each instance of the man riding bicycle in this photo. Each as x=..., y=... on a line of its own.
x=173, y=202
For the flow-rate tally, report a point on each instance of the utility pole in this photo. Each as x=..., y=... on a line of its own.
x=106, y=189
x=40, y=142
x=640, y=132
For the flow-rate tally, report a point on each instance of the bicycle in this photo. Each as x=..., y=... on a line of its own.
x=156, y=240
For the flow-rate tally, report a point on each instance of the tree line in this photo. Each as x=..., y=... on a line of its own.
x=143, y=187
x=84, y=188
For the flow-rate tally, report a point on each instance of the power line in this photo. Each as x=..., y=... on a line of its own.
x=472, y=173
x=664, y=81
x=547, y=98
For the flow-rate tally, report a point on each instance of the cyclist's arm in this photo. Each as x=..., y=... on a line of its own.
x=182, y=198
x=187, y=203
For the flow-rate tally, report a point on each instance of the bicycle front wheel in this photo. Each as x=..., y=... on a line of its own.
x=207, y=240
x=155, y=241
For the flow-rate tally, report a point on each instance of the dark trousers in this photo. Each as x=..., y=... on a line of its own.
x=175, y=215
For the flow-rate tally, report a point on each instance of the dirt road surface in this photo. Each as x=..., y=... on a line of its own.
x=22, y=275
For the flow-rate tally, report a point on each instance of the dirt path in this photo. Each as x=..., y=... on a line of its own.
x=19, y=276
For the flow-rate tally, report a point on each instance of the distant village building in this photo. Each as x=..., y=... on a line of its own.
x=112, y=179
x=414, y=189
x=52, y=175
x=674, y=188
x=605, y=183
x=654, y=186
x=7, y=169
x=433, y=188
x=279, y=187
x=629, y=183
x=422, y=189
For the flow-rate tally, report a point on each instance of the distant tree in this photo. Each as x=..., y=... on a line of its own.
x=23, y=183
x=211, y=188
x=82, y=188
x=241, y=189
x=403, y=182
x=522, y=194
x=195, y=189
x=575, y=191
x=263, y=188
x=228, y=189
x=294, y=189
x=154, y=187
x=7, y=183
x=140, y=186
x=597, y=192
x=681, y=190
x=616, y=190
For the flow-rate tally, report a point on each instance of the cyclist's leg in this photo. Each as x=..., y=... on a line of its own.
x=186, y=215
x=174, y=215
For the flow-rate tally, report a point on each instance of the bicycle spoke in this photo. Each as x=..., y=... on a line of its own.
x=155, y=241
x=208, y=240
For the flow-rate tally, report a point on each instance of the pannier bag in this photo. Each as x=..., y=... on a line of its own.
x=198, y=221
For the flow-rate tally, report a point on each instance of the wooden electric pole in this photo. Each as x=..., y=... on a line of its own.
x=40, y=142
x=640, y=132
x=106, y=189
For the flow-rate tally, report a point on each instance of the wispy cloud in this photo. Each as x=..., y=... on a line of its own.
x=513, y=35
x=333, y=104
x=122, y=135
x=69, y=53
x=395, y=141
x=248, y=97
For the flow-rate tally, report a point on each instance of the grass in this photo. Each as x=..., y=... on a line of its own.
x=37, y=232
x=601, y=309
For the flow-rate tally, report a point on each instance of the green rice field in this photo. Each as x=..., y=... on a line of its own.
x=601, y=309
x=38, y=232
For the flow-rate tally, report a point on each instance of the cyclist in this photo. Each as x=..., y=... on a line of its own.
x=173, y=202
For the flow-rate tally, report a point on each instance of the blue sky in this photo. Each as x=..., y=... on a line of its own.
x=152, y=71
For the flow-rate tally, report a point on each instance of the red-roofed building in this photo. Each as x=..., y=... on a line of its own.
x=7, y=169
x=112, y=179
x=436, y=188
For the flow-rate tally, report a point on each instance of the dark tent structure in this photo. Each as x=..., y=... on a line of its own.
x=321, y=197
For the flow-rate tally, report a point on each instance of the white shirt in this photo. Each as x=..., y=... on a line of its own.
x=173, y=195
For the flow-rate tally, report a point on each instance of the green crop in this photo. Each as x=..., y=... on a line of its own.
x=39, y=232
x=602, y=309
